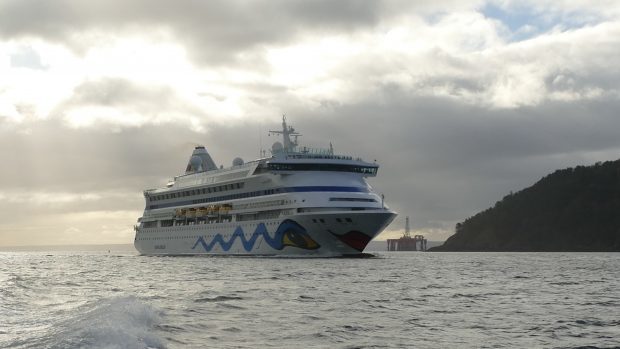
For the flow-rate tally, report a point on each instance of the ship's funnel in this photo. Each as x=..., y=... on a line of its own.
x=200, y=161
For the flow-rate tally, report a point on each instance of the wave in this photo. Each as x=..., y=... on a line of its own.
x=217, y=299
x=114, y=323
x=18, y=282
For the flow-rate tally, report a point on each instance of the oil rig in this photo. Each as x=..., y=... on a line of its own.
x=406, y=242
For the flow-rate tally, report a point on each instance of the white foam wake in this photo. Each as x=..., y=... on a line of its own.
x=124, y=322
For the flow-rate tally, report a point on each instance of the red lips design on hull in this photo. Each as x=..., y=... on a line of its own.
x=355, y=239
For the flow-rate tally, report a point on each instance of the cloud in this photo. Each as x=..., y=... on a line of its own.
x=100, y=100
x=70, y=201
x=125, y=103
x=216, y=30
x=491, y=73
x=351, y=55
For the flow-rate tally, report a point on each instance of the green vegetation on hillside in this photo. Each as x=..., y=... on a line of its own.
x=575, y=209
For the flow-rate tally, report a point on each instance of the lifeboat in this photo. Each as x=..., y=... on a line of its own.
x=201, y=212
x=211, y=210
x=224, y=209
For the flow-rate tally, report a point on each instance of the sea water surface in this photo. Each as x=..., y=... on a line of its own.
x=396, y=300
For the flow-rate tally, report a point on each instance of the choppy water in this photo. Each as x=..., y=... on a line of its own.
x=398, y=300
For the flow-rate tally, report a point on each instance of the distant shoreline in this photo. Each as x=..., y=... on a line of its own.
x=94, y=248
x=376, y=246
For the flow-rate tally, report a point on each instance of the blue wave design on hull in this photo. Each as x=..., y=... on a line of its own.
x=289, y=233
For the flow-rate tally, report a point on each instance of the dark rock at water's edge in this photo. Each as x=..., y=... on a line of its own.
x=575, y=209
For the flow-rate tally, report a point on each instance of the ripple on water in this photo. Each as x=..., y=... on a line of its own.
x=217, y=299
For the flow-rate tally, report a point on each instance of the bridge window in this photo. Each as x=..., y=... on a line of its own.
x=368, y=170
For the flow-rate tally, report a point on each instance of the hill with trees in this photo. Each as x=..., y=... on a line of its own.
x=574, y=209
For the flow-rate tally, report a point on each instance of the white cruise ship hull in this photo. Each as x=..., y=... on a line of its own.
x=325, y=234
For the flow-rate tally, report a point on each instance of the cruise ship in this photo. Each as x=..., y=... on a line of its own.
x=301, y=201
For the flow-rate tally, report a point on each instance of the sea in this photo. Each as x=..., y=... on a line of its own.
x=118, y=299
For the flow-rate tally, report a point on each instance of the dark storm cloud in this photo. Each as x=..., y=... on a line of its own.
x=214, y=31
x=451, y=132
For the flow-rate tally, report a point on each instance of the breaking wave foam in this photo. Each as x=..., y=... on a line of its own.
x=123, y=322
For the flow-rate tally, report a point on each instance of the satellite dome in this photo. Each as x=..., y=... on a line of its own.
x=276, y=147
x=237, y=162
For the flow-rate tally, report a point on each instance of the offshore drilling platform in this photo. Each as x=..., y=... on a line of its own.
x=407, y=242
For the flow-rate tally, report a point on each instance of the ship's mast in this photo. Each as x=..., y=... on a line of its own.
x=287, y=132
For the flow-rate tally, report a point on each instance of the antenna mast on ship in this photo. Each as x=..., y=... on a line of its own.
x=287, y=132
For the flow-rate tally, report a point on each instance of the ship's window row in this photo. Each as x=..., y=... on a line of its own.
x=167, y=223
x=259, y=215
x=197, y=222
x=225, y=197
x=315, y=156
x=258, y=193
x=199, y=191
x=236, y=196
x=353, y=199
x=339, y=220
x=169, y=237
x=176, y=237
x=369, y=170
x=262, y=204
x=151, y=224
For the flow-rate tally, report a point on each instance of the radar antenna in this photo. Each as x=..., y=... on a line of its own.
x=287, y=132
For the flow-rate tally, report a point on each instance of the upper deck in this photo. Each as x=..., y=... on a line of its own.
x=287, y=158
x=310, y=153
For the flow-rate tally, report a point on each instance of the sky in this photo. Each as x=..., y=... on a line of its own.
x=459, y=101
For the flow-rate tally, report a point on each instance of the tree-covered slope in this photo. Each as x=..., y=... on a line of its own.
x=575, y=209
